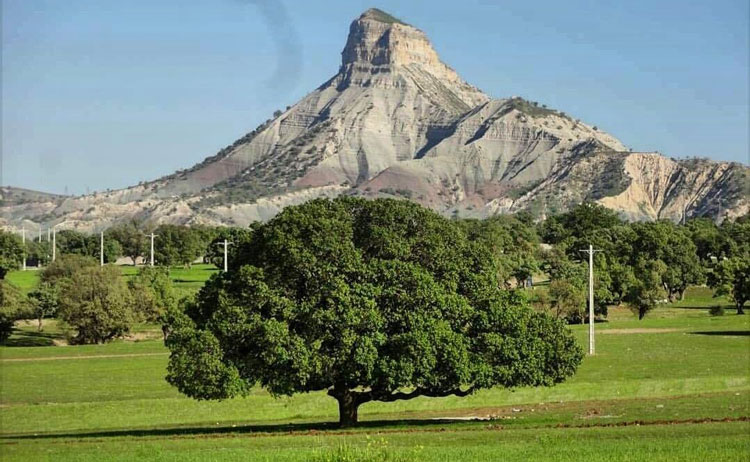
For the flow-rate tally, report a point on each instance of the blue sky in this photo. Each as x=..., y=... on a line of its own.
x=102, y=94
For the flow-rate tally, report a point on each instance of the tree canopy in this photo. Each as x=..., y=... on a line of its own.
x=95, y=302
x=11, y=252
x=177, y=245
x=370, y=300
x=132, y=239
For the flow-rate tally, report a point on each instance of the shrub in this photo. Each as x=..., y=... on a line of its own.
x=717, y=310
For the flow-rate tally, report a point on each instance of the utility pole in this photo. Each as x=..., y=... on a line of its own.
x=54, y=242
x=40, y=234
x=591, y=253
x=23, y=240
x=152, y=248
x=101, y=248
x=226, y=253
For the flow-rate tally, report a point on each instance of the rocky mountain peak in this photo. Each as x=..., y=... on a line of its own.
x=378, y=39
x=381, y=51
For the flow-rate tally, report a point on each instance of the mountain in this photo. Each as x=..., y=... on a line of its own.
x=397, y=121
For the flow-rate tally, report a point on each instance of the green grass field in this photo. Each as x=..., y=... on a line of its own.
x=186, y=281
x=674, y=386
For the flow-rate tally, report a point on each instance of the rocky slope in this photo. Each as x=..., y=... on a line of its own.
x=397, y=121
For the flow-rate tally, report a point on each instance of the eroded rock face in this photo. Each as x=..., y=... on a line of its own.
x=397, y=121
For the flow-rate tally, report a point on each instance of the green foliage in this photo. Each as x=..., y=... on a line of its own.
x=11, y=252
x=77, y=243
x=152, y=294
x=717, y=310
x=568, y=300
x=95, y=302
x=13, y=306
x=731, y=277
x=670, y=244
x=64, y=268
x=513, y=245
x=177, y=245
x=132, y=239
x=382, y=16
x=647, y=291
x=578, y=223
x=237, y=237
x=529, y=108
x=44, y=302
x=71, y=242
x=612, y=178
x=38, y=253
x=363, y=299
x=376, y=450
x=708, y=239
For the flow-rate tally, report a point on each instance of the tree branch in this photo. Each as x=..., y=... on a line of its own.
x=362, y=397
x=389, y=397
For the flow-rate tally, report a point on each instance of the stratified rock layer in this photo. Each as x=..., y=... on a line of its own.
x=397, y=121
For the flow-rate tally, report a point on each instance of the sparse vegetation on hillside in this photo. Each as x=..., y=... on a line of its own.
x=382, y=16
x=532, y=108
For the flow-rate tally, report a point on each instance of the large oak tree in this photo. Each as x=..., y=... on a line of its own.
x=369, y=300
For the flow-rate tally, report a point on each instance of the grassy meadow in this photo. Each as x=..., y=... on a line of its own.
x=674, y=386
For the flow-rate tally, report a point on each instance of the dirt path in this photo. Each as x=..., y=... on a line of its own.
x=60, y=358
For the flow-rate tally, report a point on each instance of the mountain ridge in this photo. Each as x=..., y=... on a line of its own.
x=397, y=121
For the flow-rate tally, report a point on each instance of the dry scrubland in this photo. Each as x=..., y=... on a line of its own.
x=675, y=386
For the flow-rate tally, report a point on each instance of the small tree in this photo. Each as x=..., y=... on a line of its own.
x=370, y=300
x=731, y=277
x=152, y=294
x=132, y=239
x=44, y=302
x=112, y=247
x=69, y=241
x=96, y=303
x=178, y=245
x=568, y=301
x=647, y=290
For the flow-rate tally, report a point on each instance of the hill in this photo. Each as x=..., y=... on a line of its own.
x=397, y=121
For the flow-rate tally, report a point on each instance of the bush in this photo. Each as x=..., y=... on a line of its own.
x=717, y=310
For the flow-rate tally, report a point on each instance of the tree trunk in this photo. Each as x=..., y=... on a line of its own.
x=348, y=407
x=740, y=309
x=40, y=327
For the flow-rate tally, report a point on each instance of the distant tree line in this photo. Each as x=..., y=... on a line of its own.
x=97, y=303
x=640, y=265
